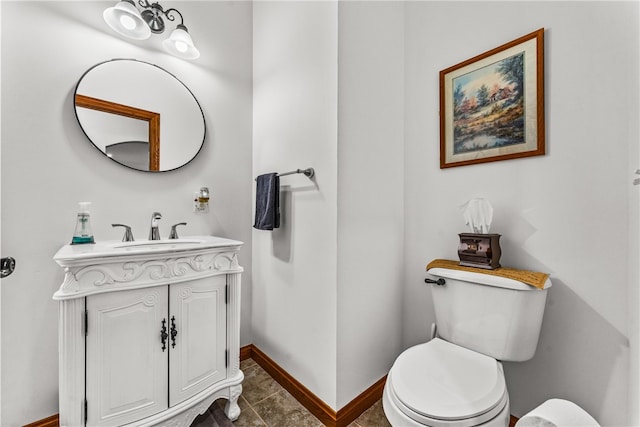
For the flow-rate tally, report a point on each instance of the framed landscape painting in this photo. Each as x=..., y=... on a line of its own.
x=492, y=105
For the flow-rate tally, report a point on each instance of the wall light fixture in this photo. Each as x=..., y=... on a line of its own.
x=125, y=19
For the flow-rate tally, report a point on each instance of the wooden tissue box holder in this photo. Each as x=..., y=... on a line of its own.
x=479, y=250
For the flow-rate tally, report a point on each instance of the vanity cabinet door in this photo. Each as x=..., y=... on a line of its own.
x=197, y=358
x=126, y=367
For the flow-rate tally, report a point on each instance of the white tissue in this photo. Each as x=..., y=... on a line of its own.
x=557, y=413
x=478, y=214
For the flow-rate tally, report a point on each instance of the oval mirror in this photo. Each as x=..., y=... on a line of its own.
x=139, y=115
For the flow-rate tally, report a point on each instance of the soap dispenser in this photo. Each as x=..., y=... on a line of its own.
x=83, y=233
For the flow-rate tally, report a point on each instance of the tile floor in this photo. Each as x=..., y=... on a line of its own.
x=265, y=403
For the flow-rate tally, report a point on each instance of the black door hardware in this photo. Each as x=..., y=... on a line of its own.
x=7, y=265
x=164, y=335
x=174, y=332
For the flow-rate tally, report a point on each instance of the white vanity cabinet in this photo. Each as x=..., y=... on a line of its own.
x=149, y=331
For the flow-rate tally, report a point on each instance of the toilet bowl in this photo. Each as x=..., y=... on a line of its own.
x=441, y=384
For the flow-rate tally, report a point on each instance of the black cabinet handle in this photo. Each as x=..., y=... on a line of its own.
x=174, y=332
x=164, y=335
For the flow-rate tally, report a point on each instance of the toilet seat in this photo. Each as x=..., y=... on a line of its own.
x=443, y=384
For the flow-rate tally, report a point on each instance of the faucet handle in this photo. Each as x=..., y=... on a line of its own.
x=174, y=233
x=128, y=235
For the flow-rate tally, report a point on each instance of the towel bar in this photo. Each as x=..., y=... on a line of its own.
x=309, y=172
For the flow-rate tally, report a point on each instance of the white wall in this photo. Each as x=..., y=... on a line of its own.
x=370, y=192
x=295, y=126
x=48, y=166
x=633, y=300
x=1, y=252
x=565, y=213
x=314, y=296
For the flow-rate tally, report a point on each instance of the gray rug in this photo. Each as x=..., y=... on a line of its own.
x=219, y=417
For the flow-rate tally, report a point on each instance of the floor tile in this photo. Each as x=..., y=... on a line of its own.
x=373, y=417
x=247, y=363
x=258, y=385
x=282, y=410
x=248, y=417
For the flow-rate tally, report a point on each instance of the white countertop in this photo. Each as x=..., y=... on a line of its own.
x=115, y=248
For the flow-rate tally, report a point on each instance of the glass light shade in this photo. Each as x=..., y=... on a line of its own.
x=124, y=19
x=180, y=44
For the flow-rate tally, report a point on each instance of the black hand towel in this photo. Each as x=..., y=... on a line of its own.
x=267, y=202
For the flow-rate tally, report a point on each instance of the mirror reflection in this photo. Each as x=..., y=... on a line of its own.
x=139, y=115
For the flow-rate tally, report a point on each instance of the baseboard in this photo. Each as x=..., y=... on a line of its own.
x=245, y=352
x=313, y=403
x=52, y=421
x=361, y=403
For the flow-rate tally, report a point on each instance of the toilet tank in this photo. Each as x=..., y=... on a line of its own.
x=492, y=315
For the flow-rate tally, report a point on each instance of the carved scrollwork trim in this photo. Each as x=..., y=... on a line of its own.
x=185, y=293
x=70, y=284
x=186, y=418
x=151, y=299
x=226, y=261
x=129, y=274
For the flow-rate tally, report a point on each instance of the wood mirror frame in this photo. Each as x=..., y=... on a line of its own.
x=152, y=118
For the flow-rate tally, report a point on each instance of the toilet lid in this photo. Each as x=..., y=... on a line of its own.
x=444, y=381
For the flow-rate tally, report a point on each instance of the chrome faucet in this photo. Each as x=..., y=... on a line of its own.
x=128, y=235
x=174, y=233
x=154, y=234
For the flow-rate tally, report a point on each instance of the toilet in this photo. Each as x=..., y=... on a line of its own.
x=456, y=379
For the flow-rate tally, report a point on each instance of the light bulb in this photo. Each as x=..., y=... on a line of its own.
x=127, y=22
x=181, y=46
